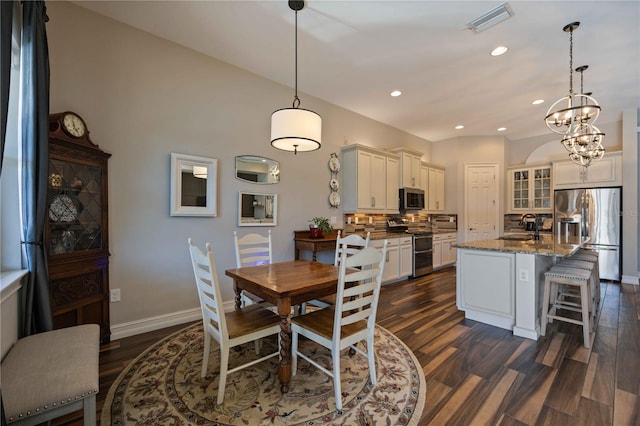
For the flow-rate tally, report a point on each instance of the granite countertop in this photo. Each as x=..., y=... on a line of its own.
x=548, y=245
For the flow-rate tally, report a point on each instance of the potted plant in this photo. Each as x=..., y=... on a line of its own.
x=319, y=226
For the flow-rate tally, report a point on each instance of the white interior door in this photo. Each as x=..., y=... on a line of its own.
x=481, y=202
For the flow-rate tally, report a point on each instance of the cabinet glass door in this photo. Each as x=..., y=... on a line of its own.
x=75, y=207
x=542, y=188
x=521, y=189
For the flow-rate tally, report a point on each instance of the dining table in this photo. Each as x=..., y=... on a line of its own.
x=285, y=284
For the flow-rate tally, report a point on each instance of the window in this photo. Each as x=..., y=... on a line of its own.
x=10, y=248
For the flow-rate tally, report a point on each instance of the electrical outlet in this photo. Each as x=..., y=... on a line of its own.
x=333, y=220
x=115, y=295
x=523, y=275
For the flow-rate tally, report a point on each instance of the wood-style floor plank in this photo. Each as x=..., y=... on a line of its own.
x=482, y=375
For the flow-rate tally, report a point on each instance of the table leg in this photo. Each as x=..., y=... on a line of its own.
x=238, y=296
x=284, y=369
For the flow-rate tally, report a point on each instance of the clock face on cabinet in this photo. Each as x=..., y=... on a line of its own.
x=74, y=125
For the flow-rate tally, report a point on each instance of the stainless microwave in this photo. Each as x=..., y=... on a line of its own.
x=411, y=199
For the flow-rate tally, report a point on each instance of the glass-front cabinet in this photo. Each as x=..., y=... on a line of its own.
x=530, y=189
x=77, y=226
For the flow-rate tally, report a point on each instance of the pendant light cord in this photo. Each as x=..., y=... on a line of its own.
x=296, y=99
x=571, y=62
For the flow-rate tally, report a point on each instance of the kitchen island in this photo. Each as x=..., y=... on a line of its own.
x=500, y=282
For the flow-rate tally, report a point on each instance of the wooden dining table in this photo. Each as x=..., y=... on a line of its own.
x=285, y=284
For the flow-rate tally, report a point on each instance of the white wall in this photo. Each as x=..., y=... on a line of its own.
x=143, y=98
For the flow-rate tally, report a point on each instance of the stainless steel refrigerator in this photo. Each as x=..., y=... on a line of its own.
x=593, y=213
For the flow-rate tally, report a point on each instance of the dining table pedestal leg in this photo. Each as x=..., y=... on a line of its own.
x=284, y=369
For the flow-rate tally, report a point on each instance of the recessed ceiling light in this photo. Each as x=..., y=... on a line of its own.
x=396, y=93
x=537, y=101
x=500, y=50
x=502, y=129
x=460, y=126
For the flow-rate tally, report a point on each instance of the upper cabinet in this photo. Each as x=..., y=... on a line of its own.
x=410, y=162
x=604, y=172
x=370, y=180
x=435, y=192
x=530, y=189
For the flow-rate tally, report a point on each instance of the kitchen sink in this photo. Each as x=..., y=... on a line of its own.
x=517, y=237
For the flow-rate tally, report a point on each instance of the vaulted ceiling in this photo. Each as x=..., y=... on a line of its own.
x=354, y=53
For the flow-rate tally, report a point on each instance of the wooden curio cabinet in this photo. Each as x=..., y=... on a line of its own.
x=77, y=243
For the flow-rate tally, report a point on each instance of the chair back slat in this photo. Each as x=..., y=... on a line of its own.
x=252, y=249
x=209, y=294
x=360, y=300
x=351, y=244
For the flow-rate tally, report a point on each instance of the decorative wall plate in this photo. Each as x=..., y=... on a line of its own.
x=334, y=199
x=62, y=209
x=334, y=164
x=334, y=184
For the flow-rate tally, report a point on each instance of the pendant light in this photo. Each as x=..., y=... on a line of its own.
x=585, y=143
x=568, y=113
x=296, y=129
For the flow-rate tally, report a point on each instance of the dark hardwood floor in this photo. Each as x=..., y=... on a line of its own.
x=478, y=374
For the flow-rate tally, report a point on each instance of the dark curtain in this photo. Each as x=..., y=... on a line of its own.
x=6, y=24
x=35, y=165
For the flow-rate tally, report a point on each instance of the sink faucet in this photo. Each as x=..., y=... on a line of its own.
x=536, y=224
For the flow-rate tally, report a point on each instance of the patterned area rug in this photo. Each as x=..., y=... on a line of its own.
x=163, y=387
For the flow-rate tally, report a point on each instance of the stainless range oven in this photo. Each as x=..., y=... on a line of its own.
x=422, y=254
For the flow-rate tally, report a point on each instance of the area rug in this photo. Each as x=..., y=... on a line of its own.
x=163, y=386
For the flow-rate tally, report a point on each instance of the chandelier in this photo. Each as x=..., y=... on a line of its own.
x=585, y=143
x=296, y=129
x=573, y=116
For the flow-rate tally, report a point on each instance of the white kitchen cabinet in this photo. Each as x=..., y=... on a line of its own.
x=370, y=180
x=410, y=162
x=424, y=180
x=444, y=254
x=392, y=262
x=448, y=249
x=406, y=256
x=604, y=172
x=437, y=251
x=393, y=184
x=530, y=189
x=435, y=193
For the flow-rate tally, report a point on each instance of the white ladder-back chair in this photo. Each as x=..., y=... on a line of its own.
x=350, y=244
x=233, y=328
x=251, y=250
x=351, y=320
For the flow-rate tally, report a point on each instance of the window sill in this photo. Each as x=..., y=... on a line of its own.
x=10, y=282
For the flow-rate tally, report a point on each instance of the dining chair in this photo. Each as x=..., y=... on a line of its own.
x=228, y=329
x=352, y=244
x=351, y=320
x=251, y=250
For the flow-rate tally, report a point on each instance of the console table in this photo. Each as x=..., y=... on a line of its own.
x=314, y=245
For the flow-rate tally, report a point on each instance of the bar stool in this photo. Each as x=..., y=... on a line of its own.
x=562, y=276
x=594, y=281
x=590, y=256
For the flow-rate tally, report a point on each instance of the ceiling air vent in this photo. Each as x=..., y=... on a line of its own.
x=491, y=18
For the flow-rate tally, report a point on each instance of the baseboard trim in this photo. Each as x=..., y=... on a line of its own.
x=132, y=328
x=629, y=279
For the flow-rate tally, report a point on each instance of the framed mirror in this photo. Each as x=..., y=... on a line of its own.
x=257, y=209
x=255, y=169
x=194, y=183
